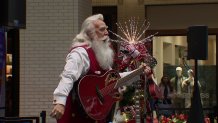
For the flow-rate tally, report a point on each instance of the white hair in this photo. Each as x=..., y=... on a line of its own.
x=87, y=30
x=87, y=36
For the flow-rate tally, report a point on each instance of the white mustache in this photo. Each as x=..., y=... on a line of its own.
x=105, y=38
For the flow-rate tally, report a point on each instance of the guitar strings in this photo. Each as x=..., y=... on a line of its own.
x=104, y=91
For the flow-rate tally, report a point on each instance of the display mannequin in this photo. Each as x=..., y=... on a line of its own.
x=187, y=87
x=176, y=82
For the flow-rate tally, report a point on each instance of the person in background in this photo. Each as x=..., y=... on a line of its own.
x=90, y=53
x=176, y=82
x=166, y=89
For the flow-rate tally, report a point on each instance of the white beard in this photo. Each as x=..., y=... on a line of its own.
x=104, y=54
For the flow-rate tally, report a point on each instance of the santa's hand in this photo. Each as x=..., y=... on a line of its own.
x=57, y=111
x=122, y=89
x=147, y=69
x=118, y=95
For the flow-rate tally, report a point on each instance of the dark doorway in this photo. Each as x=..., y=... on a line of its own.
x=110, y=17
x=12, y=74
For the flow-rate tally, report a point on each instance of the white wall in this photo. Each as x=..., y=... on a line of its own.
x=50, y=27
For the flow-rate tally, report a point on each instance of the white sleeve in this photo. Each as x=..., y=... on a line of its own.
x=77, y=65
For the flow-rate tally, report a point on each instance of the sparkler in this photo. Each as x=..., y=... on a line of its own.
x=132, y=32
x=132, y=42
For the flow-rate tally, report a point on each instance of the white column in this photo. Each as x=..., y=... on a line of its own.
x=158, y=54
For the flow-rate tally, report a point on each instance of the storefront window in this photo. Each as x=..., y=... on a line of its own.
x=171, y=53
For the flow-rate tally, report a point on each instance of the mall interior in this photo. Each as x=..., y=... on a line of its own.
x=36, y=36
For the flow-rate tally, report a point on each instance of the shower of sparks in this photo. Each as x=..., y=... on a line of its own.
x=132, y=32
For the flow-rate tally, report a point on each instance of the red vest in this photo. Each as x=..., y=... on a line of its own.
x=73, y=112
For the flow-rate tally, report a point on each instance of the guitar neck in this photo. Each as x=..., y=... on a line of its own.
x=124, y=81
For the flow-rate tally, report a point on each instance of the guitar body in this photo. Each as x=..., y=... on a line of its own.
x=96, y=94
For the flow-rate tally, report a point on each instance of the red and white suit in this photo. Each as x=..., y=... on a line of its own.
x=79, y=62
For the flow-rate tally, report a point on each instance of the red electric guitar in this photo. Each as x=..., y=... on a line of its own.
x=97, y=93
